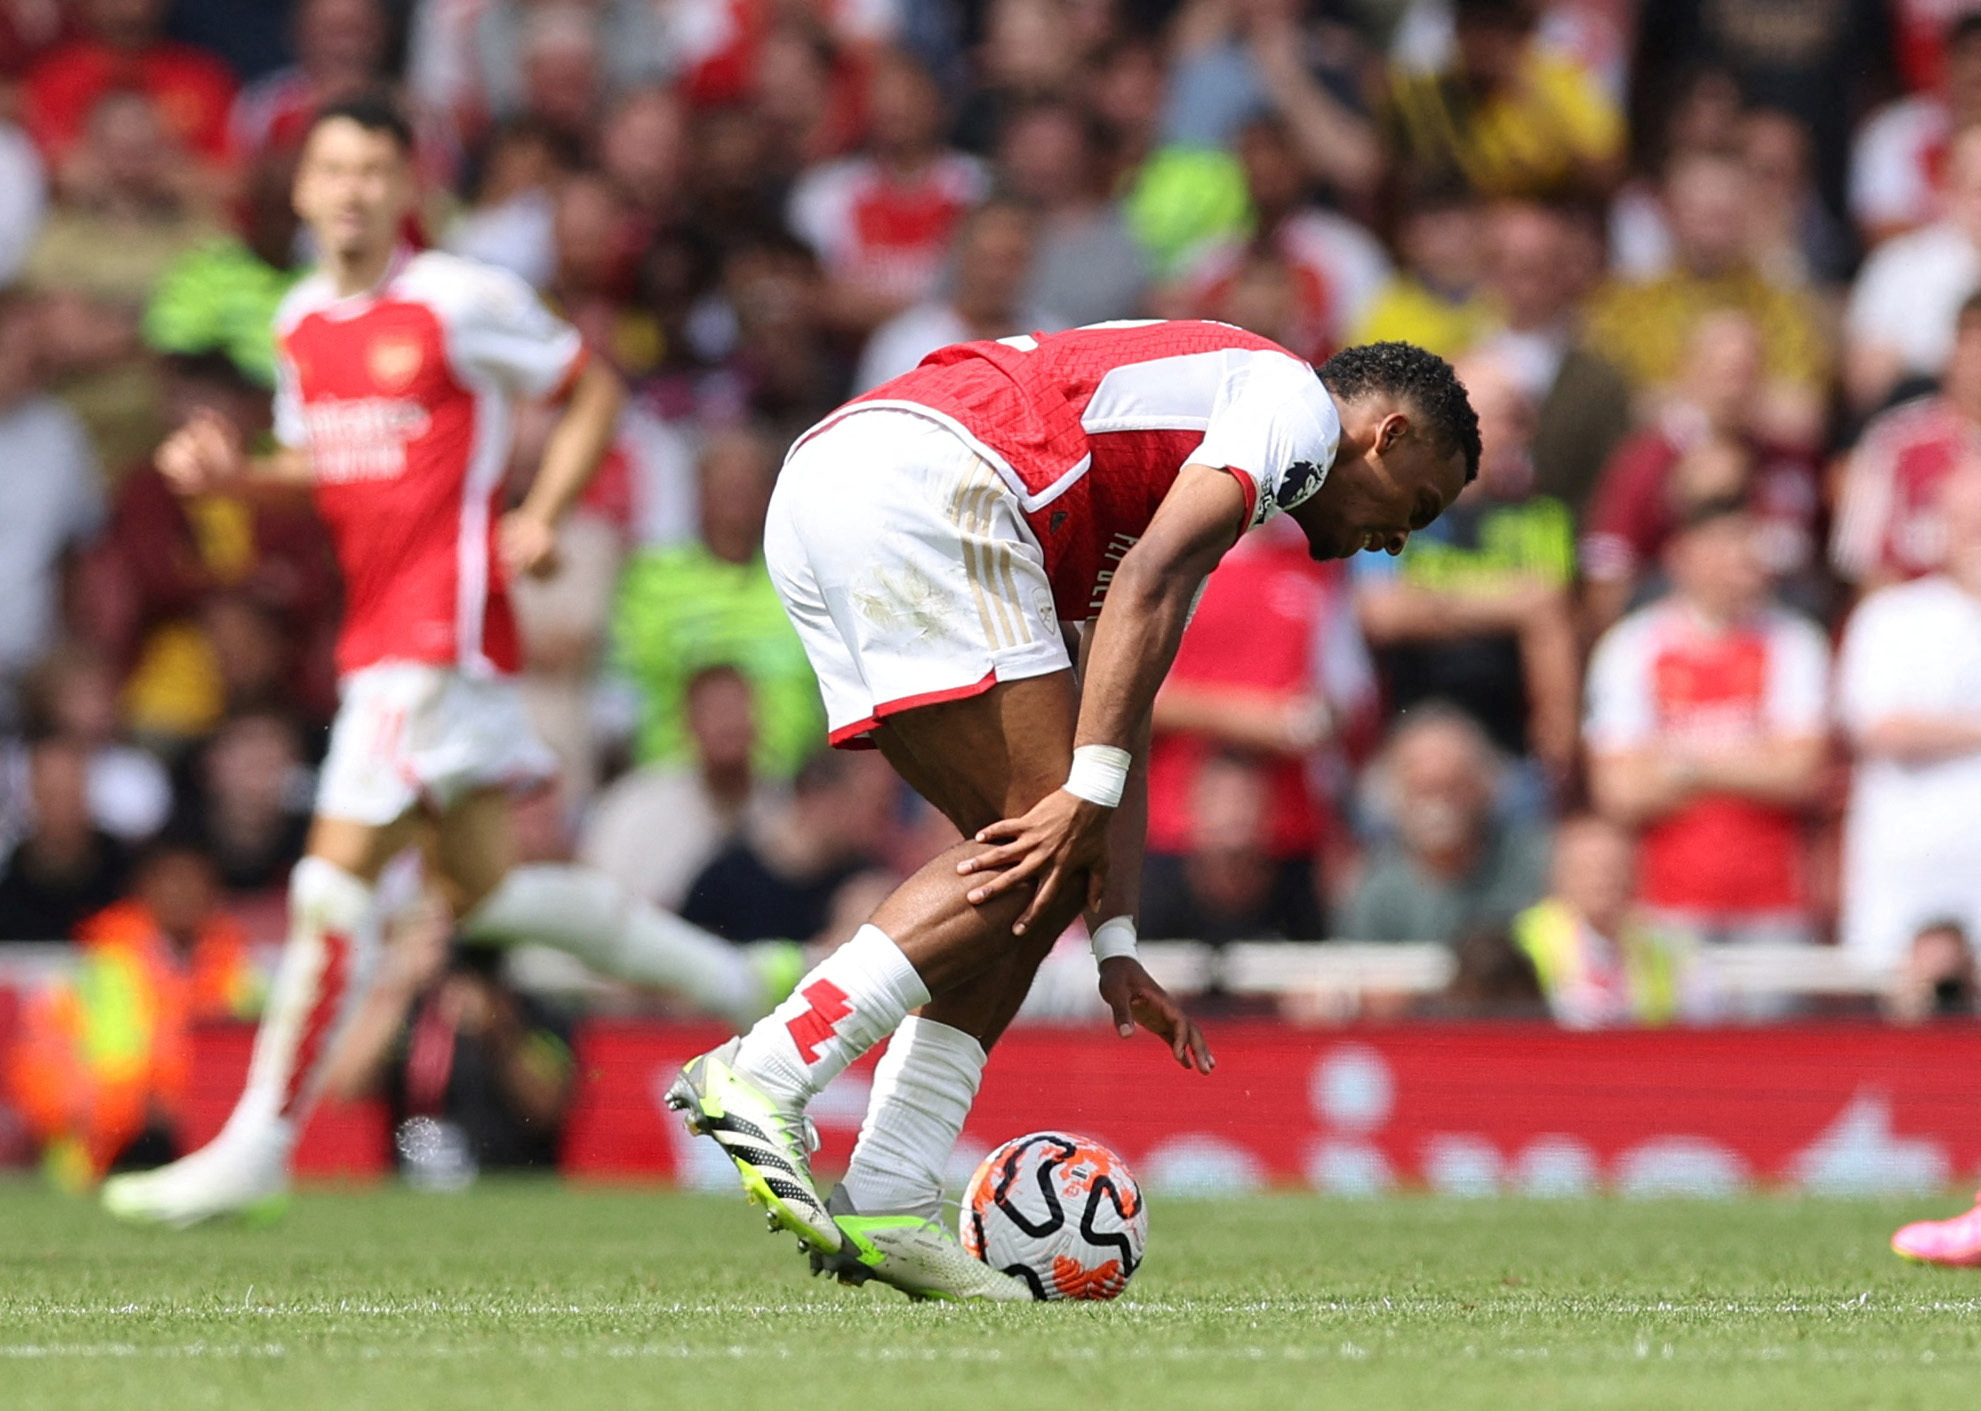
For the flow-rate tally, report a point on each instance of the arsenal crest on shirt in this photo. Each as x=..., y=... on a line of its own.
x=394, y=361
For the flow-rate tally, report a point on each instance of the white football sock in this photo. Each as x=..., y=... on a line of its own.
x=588, y=914
x=325, y=970
x=923, y=1087
x=852, y=1000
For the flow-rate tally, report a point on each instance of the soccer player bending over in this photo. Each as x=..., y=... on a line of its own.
x=930, y=542
x=399, y=378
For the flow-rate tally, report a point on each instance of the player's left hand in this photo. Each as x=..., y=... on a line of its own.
x=1060, y=843
x=528, y=545
x=1135, y=998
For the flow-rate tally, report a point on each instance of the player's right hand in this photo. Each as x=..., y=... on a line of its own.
x=202, y=455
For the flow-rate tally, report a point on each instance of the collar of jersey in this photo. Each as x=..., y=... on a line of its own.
x=351, y=305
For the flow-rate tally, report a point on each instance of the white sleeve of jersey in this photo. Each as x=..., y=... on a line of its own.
x=1274, y=425
x=499, y=329
x=290, y=429
x=1798, y=677
x=1886, y=664
x=1622, y=711
x=1864, y=508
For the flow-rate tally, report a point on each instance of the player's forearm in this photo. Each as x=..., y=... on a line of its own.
x=1870, y=369
x=577, y=444
x=1633, y=788
x=285, y=465
x=1134, y=641
x=1920, y=739
x=1782, y=771
x=1127, y=841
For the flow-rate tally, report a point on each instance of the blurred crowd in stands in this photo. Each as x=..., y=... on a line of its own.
x=1697, y=661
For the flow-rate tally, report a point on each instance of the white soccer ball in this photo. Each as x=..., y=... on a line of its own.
x=1060, y=1212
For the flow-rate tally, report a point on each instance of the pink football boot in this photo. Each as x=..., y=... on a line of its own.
x=1955, y=1243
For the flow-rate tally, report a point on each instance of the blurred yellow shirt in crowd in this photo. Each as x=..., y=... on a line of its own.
x=1408, y=310
x=1643, y=328
x=1531, y=138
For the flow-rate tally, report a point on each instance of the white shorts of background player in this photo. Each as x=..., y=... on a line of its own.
x=410, y=733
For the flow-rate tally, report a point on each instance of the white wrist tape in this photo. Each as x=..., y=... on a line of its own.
x=1099, y=774
x=1114, y=937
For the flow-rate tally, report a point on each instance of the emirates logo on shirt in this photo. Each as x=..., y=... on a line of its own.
x=362, y=438
x=394, y=361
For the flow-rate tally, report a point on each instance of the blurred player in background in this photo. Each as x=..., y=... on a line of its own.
x=399, y=378
x=930, y=541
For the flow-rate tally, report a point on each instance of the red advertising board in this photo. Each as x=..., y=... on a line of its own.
x=1469, y=1108
x=1466, y=1108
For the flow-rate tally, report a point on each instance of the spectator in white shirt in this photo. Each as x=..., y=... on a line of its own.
x=1893, y=183
x=1909, y=697
x=1900, y=322
x=881, y=223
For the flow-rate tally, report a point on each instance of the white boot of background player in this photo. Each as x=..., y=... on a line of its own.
x=889, y=1208
x=325, y=970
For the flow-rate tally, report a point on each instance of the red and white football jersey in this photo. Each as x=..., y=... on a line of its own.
x=1888, y=517
x=1089, y=429
x=869, y=225
x=405, y=397
x=1664, y=677
x=1896, y=165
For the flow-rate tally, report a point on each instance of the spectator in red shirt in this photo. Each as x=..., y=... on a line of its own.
x=1700, y=447
x=122, y=46
x=1706, y=733
x=1888, y=519
x=1273, y=672
x=881, y=222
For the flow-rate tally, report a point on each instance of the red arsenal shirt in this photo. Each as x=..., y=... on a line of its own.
x=405, y=399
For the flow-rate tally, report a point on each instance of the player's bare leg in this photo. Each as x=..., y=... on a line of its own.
x=325, y=970
x=977, y=759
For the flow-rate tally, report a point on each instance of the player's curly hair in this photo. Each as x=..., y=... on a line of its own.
x=1425, y=380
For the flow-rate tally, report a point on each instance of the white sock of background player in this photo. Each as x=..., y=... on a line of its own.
x=325, y=971
x=848, y=1003
x=588, y=914
x=923, y=1087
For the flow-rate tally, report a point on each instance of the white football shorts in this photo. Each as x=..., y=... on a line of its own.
x=905, y=565
x=410, y=733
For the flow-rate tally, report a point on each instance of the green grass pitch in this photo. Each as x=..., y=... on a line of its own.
x=528, y=1295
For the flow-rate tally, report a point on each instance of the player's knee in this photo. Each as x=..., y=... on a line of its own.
x=326, y=897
